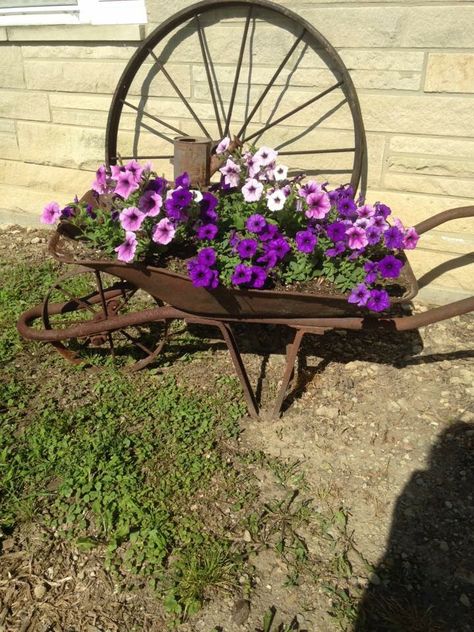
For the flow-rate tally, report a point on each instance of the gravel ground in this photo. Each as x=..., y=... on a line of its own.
x=382, y=428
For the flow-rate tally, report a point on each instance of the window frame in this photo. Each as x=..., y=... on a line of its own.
x=94, y=12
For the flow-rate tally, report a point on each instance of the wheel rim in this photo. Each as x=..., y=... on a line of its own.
x=88, y=296
x=241, y=87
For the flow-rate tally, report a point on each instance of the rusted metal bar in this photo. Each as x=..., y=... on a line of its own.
x=202, y=43
x=340, y=150
x=237, y=71
x=180, y=95
x=445, y=216
x=155, y=118
x=270, y=83
x=294, y=111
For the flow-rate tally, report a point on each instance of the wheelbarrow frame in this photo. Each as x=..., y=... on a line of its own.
x=301, y=325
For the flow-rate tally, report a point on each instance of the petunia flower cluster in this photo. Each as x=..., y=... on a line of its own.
x=257, y=228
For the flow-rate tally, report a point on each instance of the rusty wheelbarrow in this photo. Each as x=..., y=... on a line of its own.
x=106, y=310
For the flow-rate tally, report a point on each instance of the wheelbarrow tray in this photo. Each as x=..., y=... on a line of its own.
x=178, y=291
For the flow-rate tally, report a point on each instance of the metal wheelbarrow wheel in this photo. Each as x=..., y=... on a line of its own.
x=239, y=68
x=85, y=296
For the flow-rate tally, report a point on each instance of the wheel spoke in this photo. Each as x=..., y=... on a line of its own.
x=237, y=72
x=152, y=130
x=76, y=299
x=339, y=150
x=294, y=111
x=180, y=94
x=270, y=84
x=168, y=157
x=202, y=43
x=155, y=118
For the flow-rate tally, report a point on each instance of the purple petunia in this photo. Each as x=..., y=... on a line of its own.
x=258, y=278
x=158, y=185
x=242, y=274
x=131, y=218
x=126, y=251
x=306, y=241
x=390, y=267
x=359, y=295
x=336, y=231
x=183, y=180
x=175, y=212
x=382, y=210
x=182, y=197
x=346, y=206
x=207, y=257
x=270, y=232
x=150, y=203
x=201, y=275
x=336, y=250
x=372, y=271
x=269, y=259
x=378, y=301
x=207, y=231
x=247, y=248
x=256, y=223
x=279, y=246
x=393, y=238
x=373, y=235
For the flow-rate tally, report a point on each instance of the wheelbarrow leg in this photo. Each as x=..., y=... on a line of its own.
x=291, y=354
x=229, y=339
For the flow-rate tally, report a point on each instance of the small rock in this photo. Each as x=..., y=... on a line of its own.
x=241, y=611
x=247, y=536
x=375, y=579
x=444, y=546
x=464, y=599
x=39, y=591
x=35, y=240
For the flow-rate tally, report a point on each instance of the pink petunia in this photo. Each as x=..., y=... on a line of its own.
x=100, y=183
x=51, y=213
x=356, y=238
x=164, y=232
x=126, y=251
x=131, y=218
x=126, y=184
x=136, y=169
x=319, y=205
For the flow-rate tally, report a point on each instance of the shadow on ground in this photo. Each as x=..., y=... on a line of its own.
x=425, y=580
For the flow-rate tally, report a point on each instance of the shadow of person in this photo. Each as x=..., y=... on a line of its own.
x=425, y=581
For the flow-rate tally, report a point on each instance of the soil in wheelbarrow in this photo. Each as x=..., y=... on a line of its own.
x=353, y=511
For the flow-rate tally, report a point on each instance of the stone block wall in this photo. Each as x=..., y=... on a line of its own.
x=412, y=62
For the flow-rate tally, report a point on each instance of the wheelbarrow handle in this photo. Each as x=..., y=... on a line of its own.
x=450, y=310
x=443, y=217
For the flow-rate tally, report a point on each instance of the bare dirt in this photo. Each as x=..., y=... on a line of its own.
x=382, y=431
